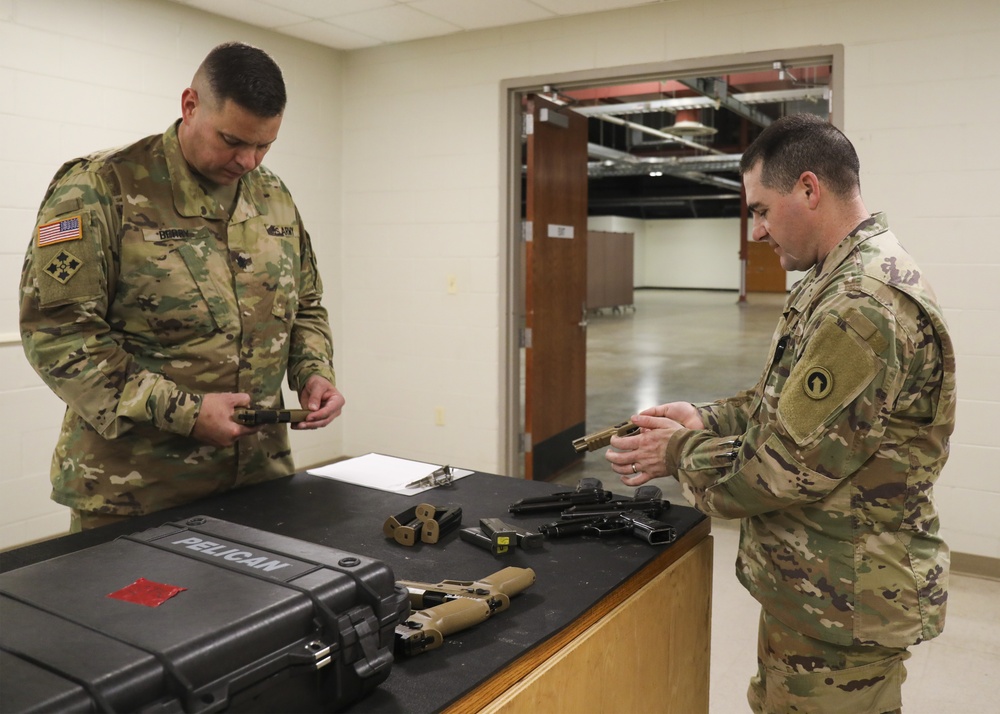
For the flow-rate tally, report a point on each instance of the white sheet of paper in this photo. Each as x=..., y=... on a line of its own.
x=385, y=473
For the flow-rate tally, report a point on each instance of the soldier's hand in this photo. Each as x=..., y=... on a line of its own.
x=684, y=413
x=642, y=457
x=322, y=399
x=215, y=424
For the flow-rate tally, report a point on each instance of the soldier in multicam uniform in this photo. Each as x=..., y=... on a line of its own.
x=831, y=459
x=167, y=283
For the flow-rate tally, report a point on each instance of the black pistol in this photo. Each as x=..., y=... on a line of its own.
x=256, y=417
x=635, y=524
x=588, y=491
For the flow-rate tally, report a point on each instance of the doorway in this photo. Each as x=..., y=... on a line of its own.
x=632, y=138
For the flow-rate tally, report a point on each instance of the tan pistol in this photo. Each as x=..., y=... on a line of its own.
x=600, y=439
x=440, y=609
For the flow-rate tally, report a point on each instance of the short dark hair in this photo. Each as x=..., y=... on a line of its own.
x=248, y=76
x=798, y=143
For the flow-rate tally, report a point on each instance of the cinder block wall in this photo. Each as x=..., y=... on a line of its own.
x=396, y=155
x=82, y=75
x=921, y=89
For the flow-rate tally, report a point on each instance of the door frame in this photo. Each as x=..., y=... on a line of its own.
x=511, y=263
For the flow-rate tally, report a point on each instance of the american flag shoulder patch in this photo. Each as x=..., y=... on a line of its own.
x=59, y=231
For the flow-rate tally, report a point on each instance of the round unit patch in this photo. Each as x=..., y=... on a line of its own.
x=818, y=383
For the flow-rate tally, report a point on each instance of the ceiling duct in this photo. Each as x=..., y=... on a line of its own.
x=619, y=163
x=810, y=94
x=678, y=156
x=657, y=133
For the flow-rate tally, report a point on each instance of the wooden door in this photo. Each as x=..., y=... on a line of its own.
x=610, y=269
x=555, y=393
x=764, y=271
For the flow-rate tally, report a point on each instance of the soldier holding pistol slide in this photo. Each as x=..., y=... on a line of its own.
x=830, y=460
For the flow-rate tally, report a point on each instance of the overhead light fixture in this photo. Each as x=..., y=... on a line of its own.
x=690, y=129
x=688, y=125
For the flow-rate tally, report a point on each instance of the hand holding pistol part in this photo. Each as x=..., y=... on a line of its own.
x=600, y=439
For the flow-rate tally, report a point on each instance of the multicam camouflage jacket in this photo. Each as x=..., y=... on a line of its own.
x=831, y=459
x=140, y=294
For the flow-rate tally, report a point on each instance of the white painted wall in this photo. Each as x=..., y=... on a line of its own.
x=419, y=151
x=685, y=253
x=691, y=253
x=82, y=75
x=435, y=213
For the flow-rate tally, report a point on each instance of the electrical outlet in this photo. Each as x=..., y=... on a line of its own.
x=438, y=416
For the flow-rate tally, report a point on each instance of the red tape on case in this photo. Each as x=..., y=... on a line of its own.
x=146, y=592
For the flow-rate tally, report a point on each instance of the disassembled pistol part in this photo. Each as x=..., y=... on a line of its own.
x=424, y=522
x=438, y=522
x=527, y=540
x=600, y=439
x=500, y=534
x=405, y=527
x=256, y=417
x=438, y=477
x=589, y=490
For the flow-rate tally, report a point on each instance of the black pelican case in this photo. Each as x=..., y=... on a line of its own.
x=201, y=615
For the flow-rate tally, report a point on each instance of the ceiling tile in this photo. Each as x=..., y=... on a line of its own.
x=398, y=23
x=367, y=22
x=251, y=12
x=318, y=9
x=578, y=7
x=324, y=33
x=476, y=14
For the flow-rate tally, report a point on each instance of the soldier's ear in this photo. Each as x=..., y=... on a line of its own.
x=811, y=187
x=189, y=103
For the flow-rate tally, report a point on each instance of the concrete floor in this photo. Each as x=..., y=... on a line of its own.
x=699, y=346
x=692, y=346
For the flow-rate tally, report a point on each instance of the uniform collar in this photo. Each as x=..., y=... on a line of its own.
x=819, y=275
x=191, y=201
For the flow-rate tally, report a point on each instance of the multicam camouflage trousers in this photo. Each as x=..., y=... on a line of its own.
x=803, y=675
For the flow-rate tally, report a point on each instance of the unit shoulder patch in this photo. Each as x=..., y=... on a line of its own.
x=835, y=368
x=69, y=271
x=63, y=266
x=818, y=382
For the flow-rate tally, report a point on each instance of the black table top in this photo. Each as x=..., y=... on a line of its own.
x=572, y=574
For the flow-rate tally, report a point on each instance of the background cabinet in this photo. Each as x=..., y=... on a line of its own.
x=610, y=281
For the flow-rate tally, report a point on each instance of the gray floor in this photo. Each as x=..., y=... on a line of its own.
x=697, y=346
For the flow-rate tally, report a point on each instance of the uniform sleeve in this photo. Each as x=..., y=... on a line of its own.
x=727, y=416
x=311, y=348
x=67, y=280
x=827, y=419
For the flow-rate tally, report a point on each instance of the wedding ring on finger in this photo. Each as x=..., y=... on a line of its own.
x=634, y=469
